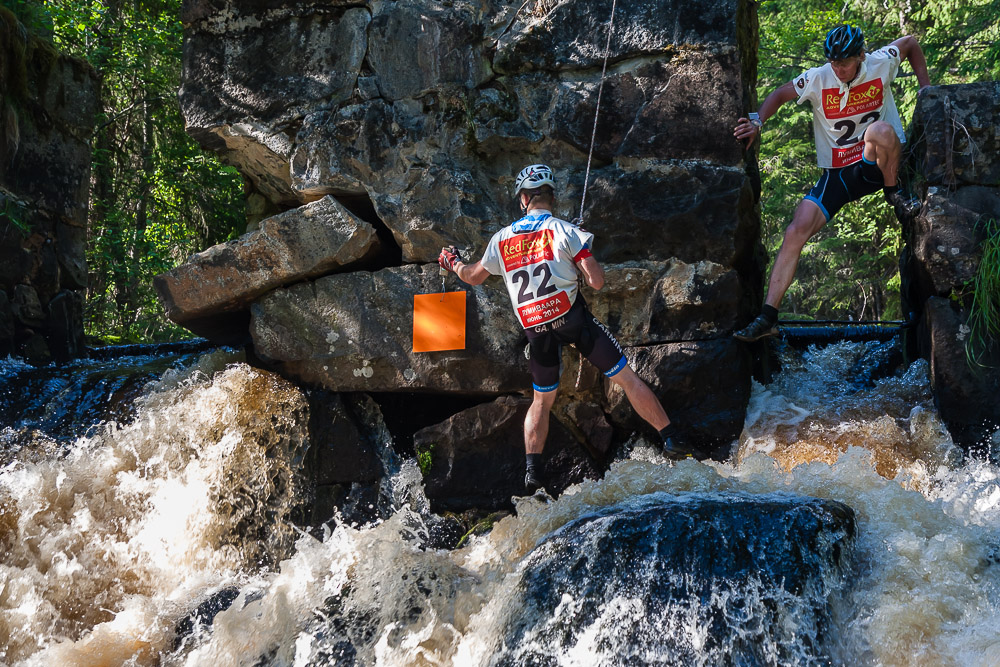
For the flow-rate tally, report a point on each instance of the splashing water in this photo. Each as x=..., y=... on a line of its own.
x=108, y=545
x=107, y=541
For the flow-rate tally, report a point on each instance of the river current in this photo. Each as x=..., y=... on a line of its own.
x=113, y=534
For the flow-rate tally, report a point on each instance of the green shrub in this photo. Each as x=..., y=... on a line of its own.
x=984, y=313
x=425, y=460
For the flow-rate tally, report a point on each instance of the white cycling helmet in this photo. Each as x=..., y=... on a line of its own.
x=534, y=176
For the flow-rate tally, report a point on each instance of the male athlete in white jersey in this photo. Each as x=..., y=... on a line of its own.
x=858, y=144
x=539, y=257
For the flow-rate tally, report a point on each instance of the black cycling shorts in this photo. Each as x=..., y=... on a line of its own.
x=579, y=328
x=837, y=187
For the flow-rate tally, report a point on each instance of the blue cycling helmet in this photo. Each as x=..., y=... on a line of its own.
x=843, y=41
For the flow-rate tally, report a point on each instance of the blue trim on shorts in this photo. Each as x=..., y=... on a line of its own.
x=821, y=207
x=865, y=160
x=545, y=390
x=617, y=368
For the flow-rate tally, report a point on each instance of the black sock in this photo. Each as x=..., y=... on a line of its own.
x=770, y=313
x=534, y=462
x=668, y=431
x=889, y=190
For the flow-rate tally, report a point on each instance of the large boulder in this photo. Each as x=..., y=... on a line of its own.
x=350, y=453
x=956, y=138
x=477, y=457
x=967, y=395
x=660, y=302
x=45, y=157
x=54, y=128
x=660, y=211
x=423, y=121
x=407, y=157
x=945, y=237
x=704, y=386
x=956, y=147
x=417, y=47
x=237, y=96
x=353, y=331
x=572, y=34
x=310, y=241
x=721, y=579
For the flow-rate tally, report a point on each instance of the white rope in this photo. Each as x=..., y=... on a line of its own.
x=597, y=110
x=593, y=139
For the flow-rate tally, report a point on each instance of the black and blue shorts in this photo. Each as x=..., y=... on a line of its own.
x=837, y=187
x=579, y=328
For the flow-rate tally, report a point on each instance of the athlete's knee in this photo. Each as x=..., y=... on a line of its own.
x=543, y=400
x=798, y=232
x=626, y=378
x=882, y=135
x=807, y=220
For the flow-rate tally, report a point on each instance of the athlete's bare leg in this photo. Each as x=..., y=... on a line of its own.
x=642, y=398
x=806, y=221
x=536, y=422
x=883, y=148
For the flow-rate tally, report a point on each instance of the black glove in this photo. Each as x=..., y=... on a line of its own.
x=448, y=257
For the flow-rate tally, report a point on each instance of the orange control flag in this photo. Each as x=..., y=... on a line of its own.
x=439, y=322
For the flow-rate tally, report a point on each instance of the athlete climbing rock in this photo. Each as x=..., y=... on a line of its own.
x=539, y=257
x=858, y=138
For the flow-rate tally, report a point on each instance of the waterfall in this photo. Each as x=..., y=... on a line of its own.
x=165, y=534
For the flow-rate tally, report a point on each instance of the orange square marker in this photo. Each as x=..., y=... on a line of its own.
x=439, y=322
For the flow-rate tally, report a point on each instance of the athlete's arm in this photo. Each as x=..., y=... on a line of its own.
x=747, y=132
x=910, y=49
x=473, y=274
x=592, y=272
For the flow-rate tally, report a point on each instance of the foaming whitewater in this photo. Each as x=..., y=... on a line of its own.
x=109, y=545
x=107, y=541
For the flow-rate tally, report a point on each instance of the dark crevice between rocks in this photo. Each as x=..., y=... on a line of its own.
x=389, y=253
x=406, y=413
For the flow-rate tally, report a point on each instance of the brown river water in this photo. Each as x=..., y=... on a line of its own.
x=110, y=537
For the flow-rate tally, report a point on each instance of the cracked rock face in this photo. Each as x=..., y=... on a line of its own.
x=955, y=140
x=424, y=112
x=311, y=241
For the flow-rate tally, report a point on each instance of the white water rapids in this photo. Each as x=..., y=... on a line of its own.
x=107, y=546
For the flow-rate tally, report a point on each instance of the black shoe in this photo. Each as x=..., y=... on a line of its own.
x=756, y=330
x=675, y=449
x=532, y=482
x=905, y=206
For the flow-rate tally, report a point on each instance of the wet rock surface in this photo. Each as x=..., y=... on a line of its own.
x=704, y=387
x=967, y=394
x=477, y=457
x=729, y=578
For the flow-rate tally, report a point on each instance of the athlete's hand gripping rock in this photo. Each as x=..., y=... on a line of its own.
x=747, y=131
x=448, y=257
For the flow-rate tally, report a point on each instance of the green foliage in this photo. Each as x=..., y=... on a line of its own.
x=849, y=269
x=12, y=213
x=156, y=198
x=425, y=459
x=32, y=14
x=984, y=315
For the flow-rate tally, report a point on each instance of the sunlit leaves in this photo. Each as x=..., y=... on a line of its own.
x=156, y=197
